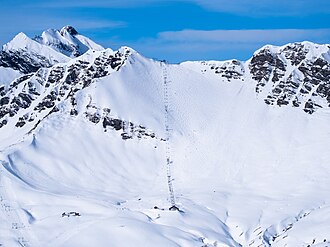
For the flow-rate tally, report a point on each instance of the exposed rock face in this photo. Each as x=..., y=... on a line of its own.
x=69, y=29
x=27, y=56
x=293, y=75
x=266, y=66
x=232, y=69
x=127, y=129
x=295, y=53
x=23, y=61
x=228, y=70
x=35, y=96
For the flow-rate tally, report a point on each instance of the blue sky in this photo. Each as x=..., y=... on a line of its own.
x=175, y=30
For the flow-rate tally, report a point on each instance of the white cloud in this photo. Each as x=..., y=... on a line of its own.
x=245, y=36
x=33, y=22
x=266, y=7
x=250, y=7
x=99, y=3
x=222, y=44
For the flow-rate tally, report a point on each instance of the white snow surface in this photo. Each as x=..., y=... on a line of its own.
x=245, y=173
x=7, y=75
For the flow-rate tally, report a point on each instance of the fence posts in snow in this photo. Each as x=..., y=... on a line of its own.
x=168, y=151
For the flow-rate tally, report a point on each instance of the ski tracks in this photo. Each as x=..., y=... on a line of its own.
x=10, y=212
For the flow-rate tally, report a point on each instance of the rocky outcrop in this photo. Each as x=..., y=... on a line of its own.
x=293, y=75
x=35, y=96
x=23, y=61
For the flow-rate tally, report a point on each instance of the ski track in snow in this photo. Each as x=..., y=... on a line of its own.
x=11, y=215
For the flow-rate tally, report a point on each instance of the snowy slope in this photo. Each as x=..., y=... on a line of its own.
x=7, y=75
x=84, y=148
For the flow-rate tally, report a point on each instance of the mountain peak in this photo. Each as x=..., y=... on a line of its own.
x=20, y=36
x=18, y=41
x=68, y=29
x=67, y=41
x=306, y=46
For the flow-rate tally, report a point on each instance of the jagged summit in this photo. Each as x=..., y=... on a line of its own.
x=25, y=55
x=297, y=51
x=67, y=41
x=68, y=29
x=296, y=74
x=18, y=42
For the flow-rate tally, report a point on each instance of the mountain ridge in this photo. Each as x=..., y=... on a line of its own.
x=89, y=146
x=281, y=76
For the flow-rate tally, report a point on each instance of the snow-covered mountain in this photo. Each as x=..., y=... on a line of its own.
x=24, y=55
x=97, y=145
x=296, y=74
x=67, y=41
